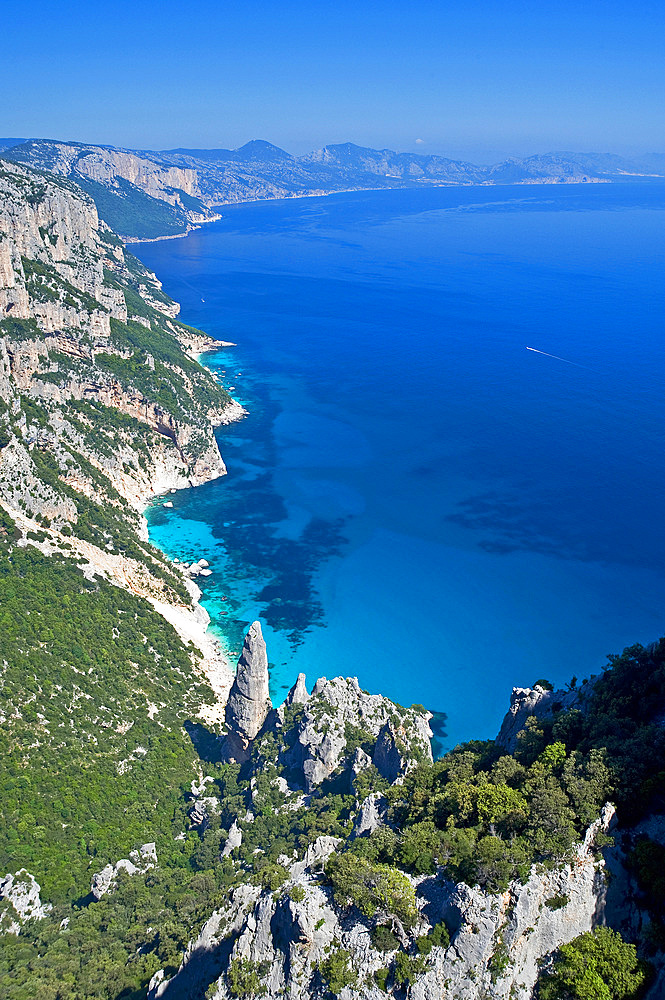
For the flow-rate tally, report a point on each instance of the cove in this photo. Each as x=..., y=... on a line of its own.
x=415, y=498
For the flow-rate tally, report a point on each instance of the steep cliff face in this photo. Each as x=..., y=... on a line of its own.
x=102, y=405
x=88, y=332
x=117, y=176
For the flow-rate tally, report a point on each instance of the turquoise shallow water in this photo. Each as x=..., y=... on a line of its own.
x=415, y=498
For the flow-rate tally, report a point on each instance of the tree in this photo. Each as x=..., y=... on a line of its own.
x=373, y=888
x=500, y=804
x=599, y=965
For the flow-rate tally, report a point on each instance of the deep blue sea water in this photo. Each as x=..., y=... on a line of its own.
x=415, y=498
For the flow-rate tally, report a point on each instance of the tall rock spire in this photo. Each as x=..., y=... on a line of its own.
x=249, y=698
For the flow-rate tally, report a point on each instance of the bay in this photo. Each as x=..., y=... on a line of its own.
x=415, y=498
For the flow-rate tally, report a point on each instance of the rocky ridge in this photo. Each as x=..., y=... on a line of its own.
x=495, y=944
x=103, y=405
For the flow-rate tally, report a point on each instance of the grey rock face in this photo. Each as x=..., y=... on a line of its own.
x=137, y=863
x=316, y=856
x=387, y=757
x=537, y=701
x=249, y=699
x=321, y=735
x=292, y=931
x=204, y=806
x=372, y=814
x=21, y=891
x=233, y=840
x=202, y=810
x=298, y=694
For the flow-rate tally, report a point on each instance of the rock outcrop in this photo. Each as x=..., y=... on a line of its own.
x=249, y=699
x=21, y=894
x=298, y=694
x=372, y=814
x=321, y=731
x=496, y=941
x=538, y=702
x=138, y=862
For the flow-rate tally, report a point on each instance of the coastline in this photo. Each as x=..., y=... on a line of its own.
x=426, y=185
x=173, y=236
x=193, y=625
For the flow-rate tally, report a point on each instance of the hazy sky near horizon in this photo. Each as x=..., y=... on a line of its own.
x=463, y=78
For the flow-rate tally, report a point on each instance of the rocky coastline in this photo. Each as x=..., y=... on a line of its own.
x=234, y=849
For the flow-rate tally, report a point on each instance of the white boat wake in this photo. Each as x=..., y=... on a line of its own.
x=557, y=358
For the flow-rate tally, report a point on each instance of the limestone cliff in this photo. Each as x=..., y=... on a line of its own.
x=306, y=938
x=102, y=403
x=135, y=178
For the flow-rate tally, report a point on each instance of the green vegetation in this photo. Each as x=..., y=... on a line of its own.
x=45, y=284
x=245, y=978
x=407, y=969
x=130, y=211
x=557, y=902
x=438, y=937
x=372, y=888
x=20, y=329
x=84, y=662
x=595, y=966
x=112, y=948
x=336, y=971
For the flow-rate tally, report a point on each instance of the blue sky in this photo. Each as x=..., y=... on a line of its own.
x=481, y=80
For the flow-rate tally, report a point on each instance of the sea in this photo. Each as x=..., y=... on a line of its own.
x=450, y=480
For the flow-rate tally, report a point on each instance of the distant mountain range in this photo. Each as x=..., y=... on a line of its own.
x=144, y=194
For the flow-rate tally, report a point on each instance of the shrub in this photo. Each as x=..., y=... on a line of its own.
x=383, y=938
x=438, y=937
x=407, y=969
x=371, y=887
x=599, y=965
x=245, y=978
x=381, y=979
x=337, y=972
x=557, y=902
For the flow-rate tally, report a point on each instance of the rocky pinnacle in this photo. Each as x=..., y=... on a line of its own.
x=249, y=699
